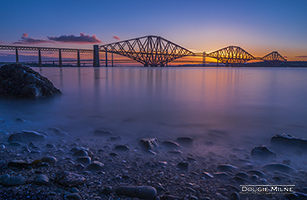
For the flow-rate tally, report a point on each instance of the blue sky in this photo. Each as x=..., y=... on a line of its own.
x=257, y=26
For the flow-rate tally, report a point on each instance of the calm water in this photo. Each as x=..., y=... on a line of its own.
x=246, y=105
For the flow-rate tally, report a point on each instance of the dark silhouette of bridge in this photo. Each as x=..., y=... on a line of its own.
x=154, y=51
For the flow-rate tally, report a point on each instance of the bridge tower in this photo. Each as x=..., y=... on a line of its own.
x=96, y=56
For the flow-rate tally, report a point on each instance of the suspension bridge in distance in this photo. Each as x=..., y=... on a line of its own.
x=153, y=51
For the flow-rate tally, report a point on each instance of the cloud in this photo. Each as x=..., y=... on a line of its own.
x=25, y=39
x=301, y=56
x=82, y=39
x=115, y=37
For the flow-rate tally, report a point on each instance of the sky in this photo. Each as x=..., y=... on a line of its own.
x=258, y=26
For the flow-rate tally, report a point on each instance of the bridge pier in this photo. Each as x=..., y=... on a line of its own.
x=112, y=59
x=39, y=58
x=78, y=58
x=60, y=58
x=106, y=52
x=16, y=53
x=96, y=56
x=204, y=58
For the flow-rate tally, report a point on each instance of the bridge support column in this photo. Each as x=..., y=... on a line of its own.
x=112, y=59
x=39, y=58
x=60, y=58
x=96, y=56
x=106, y=51
x=78, y=58
x=16, y=53
x=204, y=58
x=217, y=60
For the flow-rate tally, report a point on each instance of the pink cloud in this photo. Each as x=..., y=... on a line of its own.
x=82, y=39
x=115, y=37
x=27, y=40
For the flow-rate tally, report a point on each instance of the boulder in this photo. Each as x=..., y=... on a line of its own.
x=69, y=179
x=149, y=143
x=26, y=136
x=142, y=192
x=21, y=81
x=262, y=152
x=289, y=142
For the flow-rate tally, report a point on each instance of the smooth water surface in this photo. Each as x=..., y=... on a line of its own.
x=246, y=105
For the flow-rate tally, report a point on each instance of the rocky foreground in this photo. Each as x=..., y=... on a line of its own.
x=50, y=165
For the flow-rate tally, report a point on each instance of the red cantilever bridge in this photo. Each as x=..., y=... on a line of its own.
x=154, y=51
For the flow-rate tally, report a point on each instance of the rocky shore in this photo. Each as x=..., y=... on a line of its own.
x=55, y=165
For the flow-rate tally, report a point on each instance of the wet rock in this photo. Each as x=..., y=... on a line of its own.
x=254, y=177
x=113, y=154
x=95, y=166
x=69, y=179
x=122, y=148
x=170, y=144
x=289, y=142
x=20, y=81
x=51, y=146
x=258, y=173
x=4, y=176
x=221, y=175
x=242, y=175
x=115, y=138
x=74, y=190
x=239, y=180
x=18, y=164
x=175, y=152
x=49, y=159
x=149, y=143
x=84, y=160
x=185, y=141
x=183, y=165
x=41, y=179
x=262, y=152
x=15, y=144
x=13, y=181
x=107, y=190
x=80, y=152
x=26, y=136
x=74, y=196
x=142, y=192
x=208, y=175
x=103, y=133
x=226, y=168
x=279, y=167
x=234, y=196
x=296, y=196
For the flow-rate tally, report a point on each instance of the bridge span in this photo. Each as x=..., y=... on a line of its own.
x=153, y=51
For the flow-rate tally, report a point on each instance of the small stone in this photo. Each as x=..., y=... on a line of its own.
x=13, y=181
x=142, y=192
x=74, y=196
x=296, y=196
x=4, y=176
x=221, y=175
x=49, y=159
x=80, y=152
x=183, y=165
x=79, y=166
x=15, y=144
x=262, y=152
x=69, y=179
x=242, y=175
x=258, y=173
x=186, y=141
x=239, y=180
x=234, y=196
x=208, y=175
x=279, y=167
x=74, y=190
x=50, y=146
x=103, y=133
x=26, y=136
x=84, y=160
x=149, y=143
x=193, y=198
x=18, y=164
x=41, y=179
x=170, y=144
x=18, y=119
x=170, y=197
x=95, y=166
x=107, y=190
x=254, y=177
x=122, y=148
x=175, y=152
x=113, y=154
x=115, y=138
x=226, y=167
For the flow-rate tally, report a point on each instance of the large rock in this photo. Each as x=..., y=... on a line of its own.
x=289, y=142
x=69, y=179
x=26, y=136
x=20, y=81
x=142, y=192
x=149, y=143
x=262, y=152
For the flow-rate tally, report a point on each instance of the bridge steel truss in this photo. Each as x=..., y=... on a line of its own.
x=148, y=50
x=39, y=49
x=274, y=58
x=232, y=55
